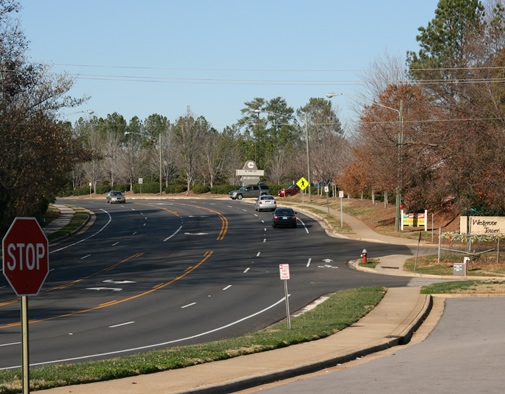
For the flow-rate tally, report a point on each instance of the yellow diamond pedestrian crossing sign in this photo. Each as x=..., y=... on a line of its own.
x=302, y=183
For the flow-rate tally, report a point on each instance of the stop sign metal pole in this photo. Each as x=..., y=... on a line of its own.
x=25, y=340
x=25, y=252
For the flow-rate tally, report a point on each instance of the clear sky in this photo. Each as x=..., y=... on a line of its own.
x=137, y=58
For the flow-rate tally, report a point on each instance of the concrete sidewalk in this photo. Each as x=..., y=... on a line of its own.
x=66, y=215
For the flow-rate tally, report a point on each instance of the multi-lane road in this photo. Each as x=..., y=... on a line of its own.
x=151, y=274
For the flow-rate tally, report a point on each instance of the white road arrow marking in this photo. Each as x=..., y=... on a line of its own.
x=119, y=282
x=103, y=288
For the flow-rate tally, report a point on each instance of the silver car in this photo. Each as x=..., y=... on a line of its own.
x=115, y=196
x=266, y=202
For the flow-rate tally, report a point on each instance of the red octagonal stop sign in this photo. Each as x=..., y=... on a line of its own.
x=25, y=256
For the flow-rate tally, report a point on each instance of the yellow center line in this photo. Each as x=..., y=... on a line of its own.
x=224, y=221
x=100, y=306
x=157, y=206
x=222, y=233
x=70, y=284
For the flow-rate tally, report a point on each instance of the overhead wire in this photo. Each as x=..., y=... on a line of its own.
x=288, y=82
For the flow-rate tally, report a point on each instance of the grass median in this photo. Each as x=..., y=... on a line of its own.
x=339, y=311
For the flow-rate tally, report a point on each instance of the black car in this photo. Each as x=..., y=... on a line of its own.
x=284, y=217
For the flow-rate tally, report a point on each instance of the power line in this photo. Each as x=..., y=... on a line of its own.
x=275, y=70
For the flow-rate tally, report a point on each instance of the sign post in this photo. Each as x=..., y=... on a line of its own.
x=302, y=184
x=284, y=272
x=25, y=252
x=341, y=195
x=326, y=190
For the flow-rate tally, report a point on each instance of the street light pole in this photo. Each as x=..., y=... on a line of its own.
x=399, y=174
x=308, y=153
x=161, y=178
x=257, y=121
x=400, y=143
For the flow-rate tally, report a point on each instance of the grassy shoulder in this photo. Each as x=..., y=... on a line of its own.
x=378, y=218
x=467, y=288
x=341, y=310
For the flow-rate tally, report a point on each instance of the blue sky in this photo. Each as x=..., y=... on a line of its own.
x=137, y=58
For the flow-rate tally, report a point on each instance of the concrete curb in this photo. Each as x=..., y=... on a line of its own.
x=415, y=319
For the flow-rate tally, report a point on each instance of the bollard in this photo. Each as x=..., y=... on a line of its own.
x=363, y=256
x=466, y=261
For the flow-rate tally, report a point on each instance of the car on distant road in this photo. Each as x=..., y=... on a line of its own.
x=289, y=191
x=115, y=196
x=284, y=217
x=249, y=191
x=266, y=202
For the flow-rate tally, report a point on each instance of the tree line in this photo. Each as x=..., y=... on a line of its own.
x=190, y=151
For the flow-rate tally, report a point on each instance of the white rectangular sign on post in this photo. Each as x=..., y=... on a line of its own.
x=284, y=271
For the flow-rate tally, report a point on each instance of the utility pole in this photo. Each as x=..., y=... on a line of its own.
x=400, y=172
x=308, y=153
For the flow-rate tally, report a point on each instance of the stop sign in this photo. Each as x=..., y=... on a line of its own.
x=25, y=252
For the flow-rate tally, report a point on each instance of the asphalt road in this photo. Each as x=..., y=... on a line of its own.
x=464, y=353
x=152, y=274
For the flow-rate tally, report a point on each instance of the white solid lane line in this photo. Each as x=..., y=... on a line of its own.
x=85, y=239
x=122, y=324
x=304, y=226
x=282, y=300
x=179, y=229
x=10, y=344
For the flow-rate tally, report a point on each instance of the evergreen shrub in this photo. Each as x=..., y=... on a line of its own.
x=199, y=189
x=175, y=189
x=103, y=189
x=223, y=189
x=152, y=187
